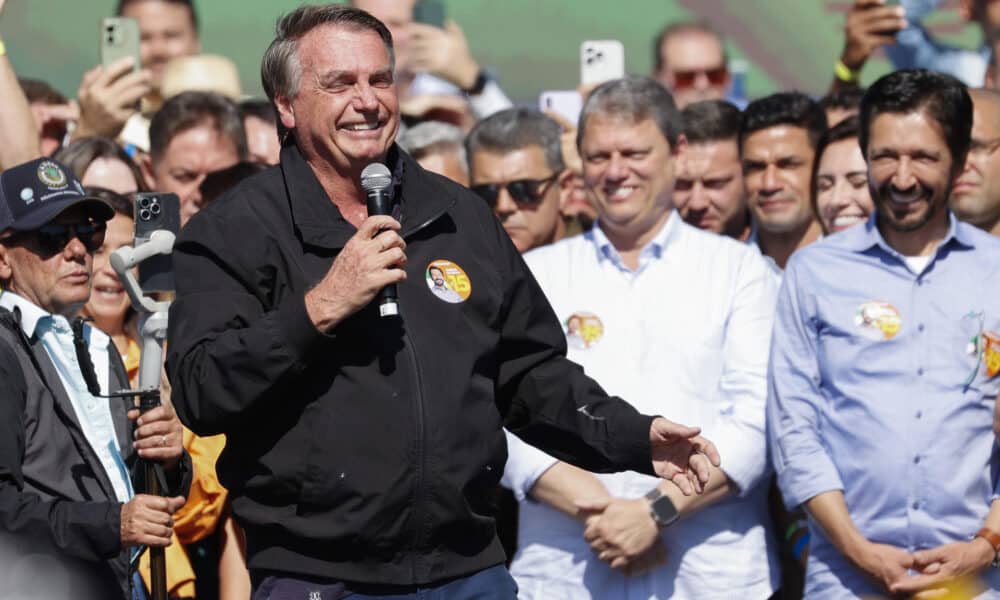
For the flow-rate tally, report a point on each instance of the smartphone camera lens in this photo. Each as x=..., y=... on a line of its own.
x=144, y=214
x=155, y=209
x=143, y=202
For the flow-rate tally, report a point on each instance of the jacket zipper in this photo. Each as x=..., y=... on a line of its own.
x=419, y=489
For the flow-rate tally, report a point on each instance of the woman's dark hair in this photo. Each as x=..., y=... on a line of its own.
x=847, y=129
x=79, y=154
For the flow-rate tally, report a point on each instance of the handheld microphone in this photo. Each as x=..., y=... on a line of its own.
x=375, y=180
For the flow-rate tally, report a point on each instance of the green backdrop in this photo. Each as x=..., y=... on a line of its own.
x=531, y=44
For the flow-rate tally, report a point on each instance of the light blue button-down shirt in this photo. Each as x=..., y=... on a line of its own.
x=879, y=386
x=93, y=413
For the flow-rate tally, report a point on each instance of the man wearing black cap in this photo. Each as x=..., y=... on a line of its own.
x=65, y=454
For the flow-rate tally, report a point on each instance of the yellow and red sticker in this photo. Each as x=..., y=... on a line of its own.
x=583, y=330
x=878, y=320
x=991, y=352
x=448, y=281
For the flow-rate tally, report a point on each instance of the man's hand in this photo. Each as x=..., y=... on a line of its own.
x=370, y=260
x=147, y=520
x=442, y=52
x=681, y=456
x=944, y=564
x=624, y=531
x=159, y=436
x=883, y=563
x=109, y=96
x=567, y=142
x=870, y=25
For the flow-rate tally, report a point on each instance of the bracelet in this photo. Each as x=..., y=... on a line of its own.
x=3, y=48
x=845, y=73
x=993, y=539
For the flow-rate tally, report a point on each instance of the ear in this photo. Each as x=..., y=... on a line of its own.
x=567, y=182
x=146, y=167
x=285, y=112
x=6, y=271
x=680, y=147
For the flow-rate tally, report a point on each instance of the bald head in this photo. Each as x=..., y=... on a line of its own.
x=976, y=195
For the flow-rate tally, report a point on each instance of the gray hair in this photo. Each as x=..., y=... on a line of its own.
x=514, y=129
x=280, y=69
x=633, y=99
x=433, y=137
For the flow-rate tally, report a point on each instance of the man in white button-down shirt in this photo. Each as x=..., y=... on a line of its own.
x=678, y=321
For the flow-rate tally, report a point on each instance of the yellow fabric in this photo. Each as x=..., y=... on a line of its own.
x=132, y=355
x=197, y=518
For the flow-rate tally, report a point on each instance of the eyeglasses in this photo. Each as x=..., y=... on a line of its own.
x=527, y=192
x=686, y=79
x=53, y=237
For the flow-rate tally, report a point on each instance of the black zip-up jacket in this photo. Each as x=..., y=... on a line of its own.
x=370, y=454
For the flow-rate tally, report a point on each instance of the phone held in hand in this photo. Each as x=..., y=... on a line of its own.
x=566, y=103
x=601, y=60
x=429, y=12
x=119, y=38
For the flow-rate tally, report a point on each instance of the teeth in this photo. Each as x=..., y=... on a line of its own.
x=847, y=221
x=362, y=127
x=905, y=198
x=621, y=192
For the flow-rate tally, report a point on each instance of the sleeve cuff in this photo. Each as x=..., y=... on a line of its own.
x=798, y=487
x=743, y=461
x=297, y=329
x=525, y=464
x=632, y=448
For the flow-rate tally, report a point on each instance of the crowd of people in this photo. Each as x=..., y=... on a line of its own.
x=684, y=347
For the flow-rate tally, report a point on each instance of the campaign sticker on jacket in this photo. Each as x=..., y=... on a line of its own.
x=583, y=330
x=448, y=281
x=878, y=320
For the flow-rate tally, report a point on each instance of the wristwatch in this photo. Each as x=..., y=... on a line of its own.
x=661, y=507
x=994, y=539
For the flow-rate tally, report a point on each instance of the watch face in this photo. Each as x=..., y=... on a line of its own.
x=664, y=511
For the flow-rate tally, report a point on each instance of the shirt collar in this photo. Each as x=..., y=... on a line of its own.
x=864, y=237
x=30, y=313
x=655, y=248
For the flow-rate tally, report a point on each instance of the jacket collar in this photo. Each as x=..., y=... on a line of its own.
x=320, y=223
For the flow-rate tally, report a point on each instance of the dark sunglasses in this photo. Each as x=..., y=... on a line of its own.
x=686, y=79
x=527, y=192
x=53, y=237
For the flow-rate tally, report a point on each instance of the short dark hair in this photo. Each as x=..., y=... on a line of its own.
x=674, y=29
x=710, y=121
x=259, y=109
x=847, y=129
x=280, y=69
x=635, y=99
x=843, y=99
x=79, y=154
x=514, y=129
x=784, y=108
x=191, y=109
x=189, y=4
x=941, y=97
x=36, y=90
x=219, y=182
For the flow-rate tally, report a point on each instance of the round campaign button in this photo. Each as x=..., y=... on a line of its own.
x=448, y=281
x=583, y=330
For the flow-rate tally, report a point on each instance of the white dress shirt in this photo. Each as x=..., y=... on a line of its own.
x=93, y=413
x=686, y=336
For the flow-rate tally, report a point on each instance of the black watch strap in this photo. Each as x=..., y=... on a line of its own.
x=479, y=84
x=661, y=507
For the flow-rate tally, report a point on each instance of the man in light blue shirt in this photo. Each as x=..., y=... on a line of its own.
x=884, y=367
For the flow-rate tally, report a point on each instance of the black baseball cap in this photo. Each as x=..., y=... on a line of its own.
x=35, y=192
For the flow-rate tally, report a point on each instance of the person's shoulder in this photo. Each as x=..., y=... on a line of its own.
x=247, y=204
x=559, y=251
x=981, y=240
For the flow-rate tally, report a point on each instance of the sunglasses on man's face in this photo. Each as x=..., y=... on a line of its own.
x=687, y=79
x=526, y=192
x=52, y=238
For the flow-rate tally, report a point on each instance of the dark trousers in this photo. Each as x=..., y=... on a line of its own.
x=494, y=583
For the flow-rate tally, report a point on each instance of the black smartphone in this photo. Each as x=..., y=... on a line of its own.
x=429, y=12
x=156, y=211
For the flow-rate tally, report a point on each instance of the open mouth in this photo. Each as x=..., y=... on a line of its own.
x=619, y=193
x=846, y=221
x=363, y=126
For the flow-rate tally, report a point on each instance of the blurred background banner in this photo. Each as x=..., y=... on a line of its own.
x=531, y=45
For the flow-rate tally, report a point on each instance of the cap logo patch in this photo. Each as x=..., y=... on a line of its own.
x=27, y=195
x=51, y=175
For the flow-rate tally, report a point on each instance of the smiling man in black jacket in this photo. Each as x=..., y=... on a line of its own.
x=363, y=451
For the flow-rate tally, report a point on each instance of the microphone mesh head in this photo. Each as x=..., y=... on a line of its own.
x=376, y=176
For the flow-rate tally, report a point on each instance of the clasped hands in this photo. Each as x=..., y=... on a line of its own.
x=938, y=570
x=622, y=531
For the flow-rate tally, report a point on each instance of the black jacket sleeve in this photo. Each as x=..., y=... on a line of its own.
x=86, y=530
x=547, y=399
x=228, y=349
